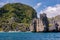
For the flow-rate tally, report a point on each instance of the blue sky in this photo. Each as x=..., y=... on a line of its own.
x=47, y=6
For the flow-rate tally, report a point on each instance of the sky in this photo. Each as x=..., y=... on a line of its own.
x=50, y=7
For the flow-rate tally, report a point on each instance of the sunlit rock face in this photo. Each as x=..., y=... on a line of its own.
x=40, y=24
x=37, y=25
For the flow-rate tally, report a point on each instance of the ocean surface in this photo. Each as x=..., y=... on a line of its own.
x=29, y=36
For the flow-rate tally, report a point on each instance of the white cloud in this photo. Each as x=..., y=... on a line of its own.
x=52, y=11
x=37, y=5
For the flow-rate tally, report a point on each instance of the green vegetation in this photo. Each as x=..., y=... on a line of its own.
x=50, y=25
x=16, y=16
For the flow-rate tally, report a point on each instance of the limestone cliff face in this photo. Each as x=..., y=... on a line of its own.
x=51, y=21
x=37, y=25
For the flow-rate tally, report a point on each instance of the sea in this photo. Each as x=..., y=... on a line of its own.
x=29, y=36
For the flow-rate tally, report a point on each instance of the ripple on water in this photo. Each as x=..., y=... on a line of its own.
x=29, y=36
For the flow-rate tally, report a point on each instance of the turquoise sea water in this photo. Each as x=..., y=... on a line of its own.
x=29, y=36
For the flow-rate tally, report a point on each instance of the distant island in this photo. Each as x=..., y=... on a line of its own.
x=22, y=18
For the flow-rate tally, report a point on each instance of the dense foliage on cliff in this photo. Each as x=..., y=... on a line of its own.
x=16, y=16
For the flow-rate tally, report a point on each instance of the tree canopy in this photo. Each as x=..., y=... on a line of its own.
x=13, y=14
